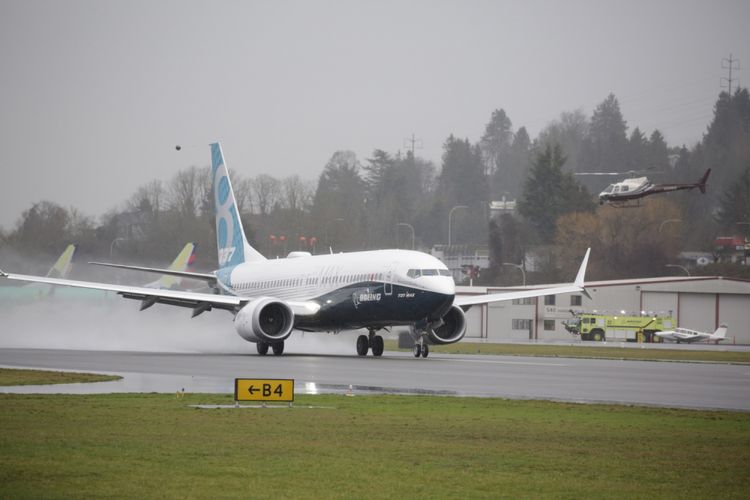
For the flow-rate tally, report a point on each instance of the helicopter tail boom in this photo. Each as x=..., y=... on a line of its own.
x=702, y=182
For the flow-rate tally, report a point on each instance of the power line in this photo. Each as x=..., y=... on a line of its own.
x=728, y=64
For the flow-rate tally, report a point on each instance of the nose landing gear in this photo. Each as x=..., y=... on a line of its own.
x=421, y=349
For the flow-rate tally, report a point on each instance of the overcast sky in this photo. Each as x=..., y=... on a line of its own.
x=95, y=94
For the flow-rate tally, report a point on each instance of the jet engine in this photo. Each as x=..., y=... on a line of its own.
x=451, y=330
x=264, y=320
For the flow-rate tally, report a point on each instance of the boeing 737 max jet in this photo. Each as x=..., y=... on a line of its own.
x=369, y=290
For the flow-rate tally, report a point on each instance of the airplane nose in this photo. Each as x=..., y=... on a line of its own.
x=443, y=285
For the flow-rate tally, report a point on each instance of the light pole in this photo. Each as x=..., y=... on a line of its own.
x=679, y=266
x=450, y=214
x=744, y=223
x=523, y=273
x=112, y=245
x=661, y=226
x=406, y=224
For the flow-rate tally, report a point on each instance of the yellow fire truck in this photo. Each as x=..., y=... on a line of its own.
x=630, y=328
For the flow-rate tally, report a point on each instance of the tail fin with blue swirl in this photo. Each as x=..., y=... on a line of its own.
x=231, y=242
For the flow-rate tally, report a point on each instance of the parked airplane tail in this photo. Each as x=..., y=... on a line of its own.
x=720, y=333
x=231, y=242
x=180, y=263
x=702, y=182
x=63, y=264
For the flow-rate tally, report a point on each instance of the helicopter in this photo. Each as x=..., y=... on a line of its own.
x=621, y=193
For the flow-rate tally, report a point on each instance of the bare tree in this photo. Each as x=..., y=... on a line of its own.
x=297, y=194
x=148, y=197
x=184, y=192
x=243, y=193
x=266, y=190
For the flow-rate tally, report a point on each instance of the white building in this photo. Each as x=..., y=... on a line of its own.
x=697, y=302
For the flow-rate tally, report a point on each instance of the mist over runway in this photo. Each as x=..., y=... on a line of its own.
x=668, y=384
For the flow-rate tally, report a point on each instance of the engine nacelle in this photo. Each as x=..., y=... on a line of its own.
x=452, y=330
x=265, y=320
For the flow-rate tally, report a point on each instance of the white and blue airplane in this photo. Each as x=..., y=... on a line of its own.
x=370, y=290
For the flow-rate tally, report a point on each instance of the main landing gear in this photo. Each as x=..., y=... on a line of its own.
x=277, y=348
x=370, y=342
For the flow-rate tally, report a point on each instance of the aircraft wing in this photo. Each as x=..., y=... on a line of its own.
x=576, y=286
x=666, y=335
x=207, y=277
x=199, y=302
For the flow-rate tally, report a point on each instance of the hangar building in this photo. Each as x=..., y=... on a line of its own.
x=696, y=302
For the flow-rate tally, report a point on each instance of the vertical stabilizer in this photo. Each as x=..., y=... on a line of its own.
x=63, y=264
x=181, y=262
x=231, y=242
x=719, y=334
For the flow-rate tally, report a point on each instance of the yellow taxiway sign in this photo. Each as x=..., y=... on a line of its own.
x=263, y=389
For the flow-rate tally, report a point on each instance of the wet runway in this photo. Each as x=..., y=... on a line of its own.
x=684, y=385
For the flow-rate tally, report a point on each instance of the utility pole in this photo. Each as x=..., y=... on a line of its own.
x=729, y=65
x=415, y=144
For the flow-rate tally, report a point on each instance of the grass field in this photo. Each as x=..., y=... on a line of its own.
x=146, y=446
x=566, y=351
x=10, y=376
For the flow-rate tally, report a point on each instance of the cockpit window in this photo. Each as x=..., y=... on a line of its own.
x=609, y=188
x=416, y=273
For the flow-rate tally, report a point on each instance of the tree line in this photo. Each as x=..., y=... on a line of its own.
x=393, y=198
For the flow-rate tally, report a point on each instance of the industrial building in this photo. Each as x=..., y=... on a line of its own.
x=696, y=302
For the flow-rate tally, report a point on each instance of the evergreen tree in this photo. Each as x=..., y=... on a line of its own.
x=657, y=152
x=637, y=151
x=606, y=147
x=339, y=203
x=570, y=132
x=517, y=165
x=549, y=193
x=462, y=181
x=734, y=204
x=496, y=141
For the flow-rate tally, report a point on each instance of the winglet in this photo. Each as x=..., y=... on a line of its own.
x=4, y=275
x=582, y=273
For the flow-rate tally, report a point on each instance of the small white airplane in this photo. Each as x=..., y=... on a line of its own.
x=680, y=335
x=371, y=290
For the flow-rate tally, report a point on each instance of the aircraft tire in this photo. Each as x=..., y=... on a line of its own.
x=377, y=345
x=278, y=348
x=417, y=350
x=262, y=348
x=425, y=350
x=363, y=344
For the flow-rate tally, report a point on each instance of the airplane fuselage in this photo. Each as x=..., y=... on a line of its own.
x=354, y=290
